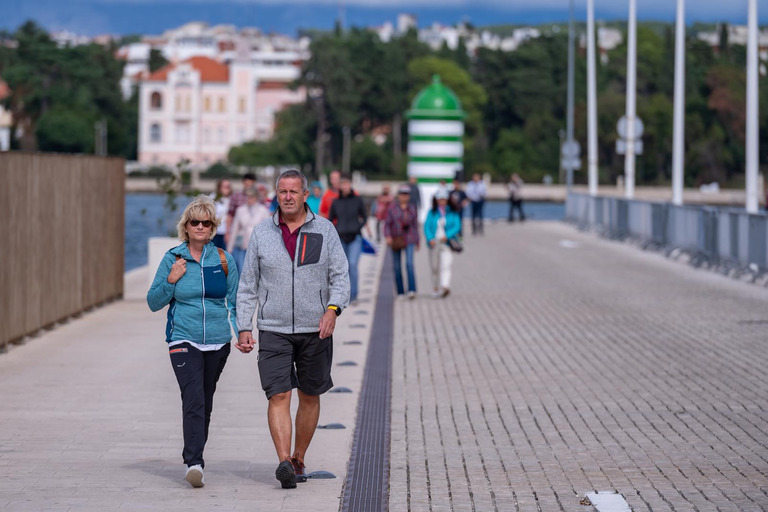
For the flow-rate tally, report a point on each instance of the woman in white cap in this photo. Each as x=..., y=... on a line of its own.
x=441, y=225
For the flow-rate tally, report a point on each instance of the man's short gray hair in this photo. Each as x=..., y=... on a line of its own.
x=293, y=173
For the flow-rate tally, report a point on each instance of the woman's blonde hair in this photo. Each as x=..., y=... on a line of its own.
x=202, y=206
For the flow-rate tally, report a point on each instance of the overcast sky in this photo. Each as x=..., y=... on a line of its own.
x=286, y=16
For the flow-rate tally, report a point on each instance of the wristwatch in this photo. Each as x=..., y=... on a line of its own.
x=336, y=309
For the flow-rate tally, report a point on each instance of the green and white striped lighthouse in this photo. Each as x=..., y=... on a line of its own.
x=435, y=133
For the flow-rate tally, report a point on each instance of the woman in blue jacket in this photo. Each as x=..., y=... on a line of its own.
x=198, y=283
x=442, y=224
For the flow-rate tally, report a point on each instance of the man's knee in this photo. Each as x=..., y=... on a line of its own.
x=280, y=399
x=307, y=398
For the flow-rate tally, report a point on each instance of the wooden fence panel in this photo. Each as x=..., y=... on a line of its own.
x=64, y=231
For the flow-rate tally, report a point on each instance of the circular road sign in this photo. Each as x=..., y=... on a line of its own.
x=621, y=127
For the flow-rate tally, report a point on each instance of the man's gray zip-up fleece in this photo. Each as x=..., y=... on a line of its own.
x=292, y=293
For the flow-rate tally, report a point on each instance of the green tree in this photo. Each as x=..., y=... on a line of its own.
x=77, y=85
x=471, y=94
x=156, y=60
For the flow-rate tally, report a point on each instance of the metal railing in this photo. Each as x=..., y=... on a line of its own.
x=63, y=238
x=726, y=239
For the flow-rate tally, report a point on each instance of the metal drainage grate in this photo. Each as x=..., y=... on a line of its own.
x=367, y=483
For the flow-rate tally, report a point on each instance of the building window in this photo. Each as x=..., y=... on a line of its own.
x=206, y=135
x=241, y=104
x=241, y=135
x=222, y=104
x=207, y=104
x=183, y=133
x=156, y=101
x=187, y=104
x=222, y=135
x=155, y=133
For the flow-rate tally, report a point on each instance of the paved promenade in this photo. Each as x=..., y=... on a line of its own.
x=90, y=419
x=561, y=364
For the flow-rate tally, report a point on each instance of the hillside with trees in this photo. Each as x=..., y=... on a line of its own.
x=362, y=86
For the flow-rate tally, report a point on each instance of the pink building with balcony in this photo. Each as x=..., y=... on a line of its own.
x=199, y=108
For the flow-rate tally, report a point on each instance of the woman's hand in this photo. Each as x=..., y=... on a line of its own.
x=388, y=240
x=432, y=242
x=178, y=269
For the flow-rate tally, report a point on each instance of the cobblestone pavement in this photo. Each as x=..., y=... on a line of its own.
x=562, y=364
x=90, y=419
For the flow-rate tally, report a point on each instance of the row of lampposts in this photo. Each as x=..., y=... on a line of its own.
x=630, y=126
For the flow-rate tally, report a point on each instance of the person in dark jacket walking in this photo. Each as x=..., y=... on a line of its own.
x=298, y=299
x=348, y=214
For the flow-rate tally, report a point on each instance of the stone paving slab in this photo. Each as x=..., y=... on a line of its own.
x=90, y=419
x=556, y=369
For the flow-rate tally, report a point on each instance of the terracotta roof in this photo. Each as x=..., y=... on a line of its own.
x=209, y=69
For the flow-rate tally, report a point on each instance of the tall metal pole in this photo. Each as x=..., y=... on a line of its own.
x=752, y=107
x=678, y=138
x=569, y=128
x=629, y=161
x=591, y=100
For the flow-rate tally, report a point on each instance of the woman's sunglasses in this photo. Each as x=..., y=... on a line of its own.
x=205, y=223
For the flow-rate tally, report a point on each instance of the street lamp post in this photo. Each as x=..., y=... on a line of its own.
x=591, y=100
x=629, y=161
x=571, y=157
x=752, y=111
x=678, y=137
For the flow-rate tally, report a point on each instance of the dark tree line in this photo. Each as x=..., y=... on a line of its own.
x=516, y=106
x=58, y=94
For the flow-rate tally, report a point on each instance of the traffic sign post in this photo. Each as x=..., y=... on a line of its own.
x=622, y=129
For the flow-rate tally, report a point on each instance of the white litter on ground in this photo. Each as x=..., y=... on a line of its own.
x=608, y=501
x=569, y=244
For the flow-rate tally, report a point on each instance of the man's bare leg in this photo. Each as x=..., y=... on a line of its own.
x=280, y=425
x=306, y=422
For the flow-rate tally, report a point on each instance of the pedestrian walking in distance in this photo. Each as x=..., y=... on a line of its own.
x=221, y=198
x=457, y=198
x=401, y=232
x=515, y=188
x=298, y=296
x=476, y=193
x=198, y=282
x=381, y=207
x=238, y=198
x=441, y=225
x=349, y=216
x=247, y=216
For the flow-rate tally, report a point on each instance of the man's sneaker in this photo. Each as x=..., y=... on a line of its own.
x=299, y=470
x=195, y=476
x=446, y=292
x=285, y=474
x=411, y=295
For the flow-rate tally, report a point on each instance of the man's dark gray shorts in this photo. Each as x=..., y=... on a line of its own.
x=288, y=361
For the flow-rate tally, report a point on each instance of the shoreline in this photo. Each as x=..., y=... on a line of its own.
x=498, y=192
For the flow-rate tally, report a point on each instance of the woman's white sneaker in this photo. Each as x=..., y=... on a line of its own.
x=195, y=476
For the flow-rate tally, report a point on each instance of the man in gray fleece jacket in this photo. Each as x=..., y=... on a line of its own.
x=296, y=270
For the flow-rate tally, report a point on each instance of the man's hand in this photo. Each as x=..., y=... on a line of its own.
x=245, y=342
x=327, y=324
